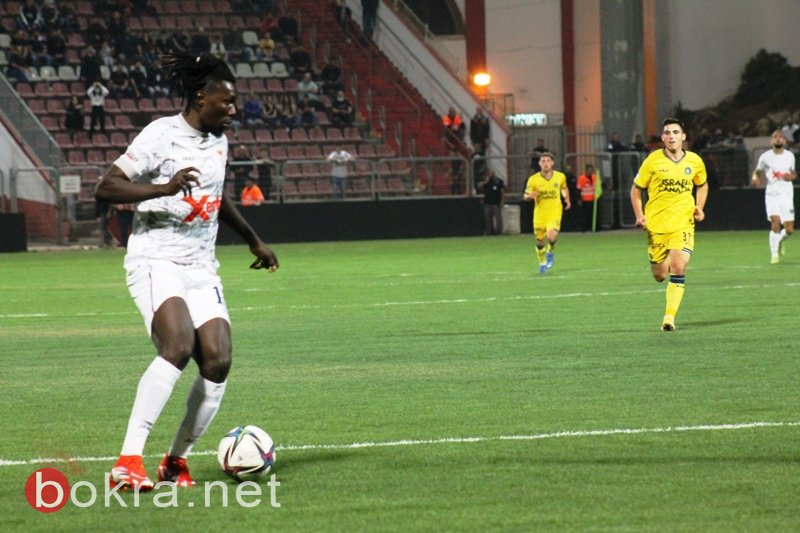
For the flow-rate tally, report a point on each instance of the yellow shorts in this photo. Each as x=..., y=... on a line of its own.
x=659, y=244
x=541, y=228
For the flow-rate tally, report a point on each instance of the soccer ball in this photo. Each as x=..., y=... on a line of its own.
x=246, y=453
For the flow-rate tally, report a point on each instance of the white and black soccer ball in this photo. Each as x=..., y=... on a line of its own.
x=246, y=453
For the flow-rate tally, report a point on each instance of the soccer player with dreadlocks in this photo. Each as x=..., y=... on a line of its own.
x=175, y=170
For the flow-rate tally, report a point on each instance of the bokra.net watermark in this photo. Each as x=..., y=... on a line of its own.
x=48, y=490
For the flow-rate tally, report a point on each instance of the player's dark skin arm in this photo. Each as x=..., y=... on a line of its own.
x=231, y=216
x=115, y=187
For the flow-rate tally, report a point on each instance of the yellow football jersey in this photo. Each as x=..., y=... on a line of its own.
x=669, y=185
x=548, y=200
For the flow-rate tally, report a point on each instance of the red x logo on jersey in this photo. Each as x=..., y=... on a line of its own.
x=198, y=208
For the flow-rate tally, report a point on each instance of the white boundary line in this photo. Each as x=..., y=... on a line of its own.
x=444, y=440
x=526, y=297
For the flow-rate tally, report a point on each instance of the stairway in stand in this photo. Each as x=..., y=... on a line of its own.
x=390, y=89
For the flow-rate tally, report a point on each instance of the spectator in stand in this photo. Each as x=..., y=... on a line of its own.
x=268, y=50
x=454, y=132
x=299, y=62
x=17, y=68
x=289, y=29
x=49, y=15
x=253, y=111
x=264, y=169
x=116, y=26
x=639, y=145
x=106, y=54
x=251, y=193
x=73, y=121
x=217, y=47
x=67, y=18
x=97, y=94
x=57, y=47
x=308, y=88
x=39, y=53
x=163, y=45
x=331, y=80
x=242, y=167
x=29, y=17
x=120, y=84
x=339, y=159
x=138, y=75
x=287, y=110
x=308, y=113
x=614, y=144
x=90, y=66
x=147, y=46
x=95, y=34
x=587, y=183
x=199, y=43
x=536, y=153
x=479, y=132
x=142, y=7
x=270, y=113
x=492, y=188
x=156, y=84
x=343, y=14
x=341, y=111
x=128, y=48
x=179, y=42
x=369, y=16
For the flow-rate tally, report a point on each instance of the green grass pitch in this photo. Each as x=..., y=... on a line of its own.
x=431, y=385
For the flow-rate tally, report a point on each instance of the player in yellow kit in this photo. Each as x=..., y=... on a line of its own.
x=669, y=176
x=546, y=188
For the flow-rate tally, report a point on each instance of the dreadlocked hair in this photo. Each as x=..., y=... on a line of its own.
x=188, y=74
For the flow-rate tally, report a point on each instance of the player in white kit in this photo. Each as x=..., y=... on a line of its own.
x=777, y=168
x=175, y=170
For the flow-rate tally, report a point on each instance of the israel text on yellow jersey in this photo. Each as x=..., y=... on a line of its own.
x=548, y=199
x=669, y=185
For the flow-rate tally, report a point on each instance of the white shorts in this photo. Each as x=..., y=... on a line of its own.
x=151, y=282
x=781, y=205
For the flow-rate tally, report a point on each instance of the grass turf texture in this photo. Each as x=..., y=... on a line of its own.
x=427, y=340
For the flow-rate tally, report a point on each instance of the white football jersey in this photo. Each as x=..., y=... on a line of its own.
x=774, y=166
x=179, y=228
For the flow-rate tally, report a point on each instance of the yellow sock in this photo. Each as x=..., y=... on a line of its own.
x=542, y=254
x=675, y=289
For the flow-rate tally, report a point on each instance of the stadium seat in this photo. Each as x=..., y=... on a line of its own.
x=100, y=140
x=261, y=70
x=245, y=136
x=295, y=152
x=48, y=73
x=128, y=105
x=280, y=135
x=76, y=157
x=119, y=139
x=334, y=135
x=292, y=171
x=250, y=38
x=316, y=135
x=37, y=105
x=313, y=151
x=244, y=70
x=366, y=150
x=278, y=153
x=55, y=106
x=263, y=135
x=123, y=122
x=146, y=105
x=50, y=123
x=95, y=157
x=274, y=85
x=279, y=70
x=299, y=135
x=257, y=85
x=67, y=73
x=310, y=170
x=63, y=140
x=24, y=89
x=77, y=88
x=384, y=151
x=352, y=134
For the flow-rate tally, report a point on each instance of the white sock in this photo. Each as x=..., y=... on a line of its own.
x=783, y=233
x=152, y=394
x=774, y=242
x=201, y=406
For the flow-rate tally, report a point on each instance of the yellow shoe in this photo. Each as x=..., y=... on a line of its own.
x=668, y=324
x=775, y=260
